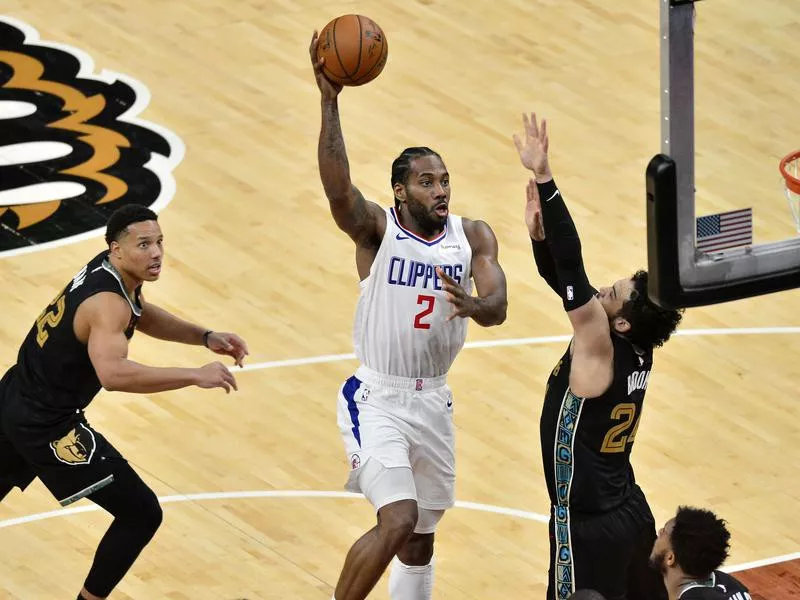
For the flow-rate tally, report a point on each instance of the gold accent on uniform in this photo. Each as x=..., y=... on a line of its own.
x=70, y=449
x=616, y=438
x=50, y=318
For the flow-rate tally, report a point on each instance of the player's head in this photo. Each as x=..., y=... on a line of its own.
x=632, y=313
x=587, y=595
x=421, y=186
x=135, y=241
x=694, y=540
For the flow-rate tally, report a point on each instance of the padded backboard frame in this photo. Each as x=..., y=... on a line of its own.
x=680, y=275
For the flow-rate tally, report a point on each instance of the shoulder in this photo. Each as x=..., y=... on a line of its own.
x=726, y=579
x=479, y=234
x=475, y=226
x=108, y=308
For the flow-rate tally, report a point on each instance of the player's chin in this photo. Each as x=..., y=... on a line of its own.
x=152, y=273
x=439, y=218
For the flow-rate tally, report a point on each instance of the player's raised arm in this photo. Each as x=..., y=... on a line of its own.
x=541, y=251
x=593, y=351
x=363, y=221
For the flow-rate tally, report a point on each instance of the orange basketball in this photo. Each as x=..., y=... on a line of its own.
x=354, y=48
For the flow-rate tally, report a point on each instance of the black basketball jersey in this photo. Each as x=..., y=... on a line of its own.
x=53, y=373
x=586, y=443
x=720, y=586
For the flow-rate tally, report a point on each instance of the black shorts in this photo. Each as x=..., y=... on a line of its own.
x=608, y=552
x=67, y=454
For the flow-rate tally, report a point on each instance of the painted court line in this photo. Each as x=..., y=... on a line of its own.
x=762, y=563
x=501, y=510
x=263, y=494
x=530, y=341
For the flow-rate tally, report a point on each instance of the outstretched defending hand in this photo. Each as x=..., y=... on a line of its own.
x=533, y=212
x=328, y=89
x=533, y=147
x=228, y=344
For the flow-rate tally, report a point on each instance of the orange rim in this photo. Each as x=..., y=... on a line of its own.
x=793, y=183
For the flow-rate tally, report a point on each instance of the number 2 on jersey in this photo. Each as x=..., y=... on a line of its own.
x=427, y=302
x=617, y=437
x=50, y=318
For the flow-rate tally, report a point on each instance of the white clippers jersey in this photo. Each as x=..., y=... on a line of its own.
x=400, y=326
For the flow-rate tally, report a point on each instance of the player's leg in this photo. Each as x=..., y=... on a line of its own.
x=411, y=576
x=14, y=470
x=137, y=516
x=596, y=551
x=433, y=465
x=74, y=461
x=376, y=442
x=370, y=555
x=644, y=581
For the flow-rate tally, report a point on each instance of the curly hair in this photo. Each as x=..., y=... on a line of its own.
x=651, y=325
x=401, y=166
x=699, y=540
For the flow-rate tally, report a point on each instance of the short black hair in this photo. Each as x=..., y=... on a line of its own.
x=587, y=595
x=127, y=215
x=651, y=325
x=401, y=166
x=700, y=541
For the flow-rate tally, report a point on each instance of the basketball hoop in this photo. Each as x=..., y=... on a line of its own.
x=790, y=169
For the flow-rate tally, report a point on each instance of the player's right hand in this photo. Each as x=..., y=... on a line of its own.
x=533, y=212
x=216, y=375
x=328, y=89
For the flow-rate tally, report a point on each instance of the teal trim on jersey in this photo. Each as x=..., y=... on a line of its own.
x=564, y=465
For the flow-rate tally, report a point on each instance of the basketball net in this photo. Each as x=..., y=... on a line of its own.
x=790, y=169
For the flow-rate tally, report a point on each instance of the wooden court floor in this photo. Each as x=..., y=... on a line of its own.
x=252, y=248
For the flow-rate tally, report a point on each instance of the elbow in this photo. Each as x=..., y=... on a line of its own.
x=109, y=384
x=502, y=313
x=109, y=387
x=110, y=380
x=495, y=317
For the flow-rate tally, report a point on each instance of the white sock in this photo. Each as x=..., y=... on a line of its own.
x=409, y=582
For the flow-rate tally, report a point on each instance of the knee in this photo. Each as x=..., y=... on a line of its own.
x=418, y=551
x=396, y=522
x=150, y=515
x=140, y=511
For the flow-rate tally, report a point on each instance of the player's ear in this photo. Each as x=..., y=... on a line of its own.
x=399, y=191
x=669, y=559
x=621, y=325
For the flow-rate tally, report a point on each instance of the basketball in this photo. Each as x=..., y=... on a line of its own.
x=354, y=48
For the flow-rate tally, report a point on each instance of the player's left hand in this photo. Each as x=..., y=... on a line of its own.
x=228, y=344
x=533, y=146
x=464, y=305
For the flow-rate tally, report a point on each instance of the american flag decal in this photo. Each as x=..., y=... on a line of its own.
x=725, y=230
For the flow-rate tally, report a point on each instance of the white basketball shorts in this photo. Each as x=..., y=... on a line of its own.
x=400, y=423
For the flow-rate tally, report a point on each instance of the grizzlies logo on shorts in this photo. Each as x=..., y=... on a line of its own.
x=76, y=447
